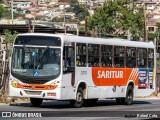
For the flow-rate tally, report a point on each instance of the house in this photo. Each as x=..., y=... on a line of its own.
x=83, y=1
x=62, y=5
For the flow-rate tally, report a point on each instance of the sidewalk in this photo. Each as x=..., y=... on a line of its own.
x=153, y=96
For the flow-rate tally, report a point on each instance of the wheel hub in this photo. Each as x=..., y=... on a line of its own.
x=79, y=97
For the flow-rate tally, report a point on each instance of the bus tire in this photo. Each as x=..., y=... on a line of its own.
x=36, y=102
x=79, y=99
x=129, y=96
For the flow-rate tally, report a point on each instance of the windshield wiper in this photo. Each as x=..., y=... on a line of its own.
x=39, y=60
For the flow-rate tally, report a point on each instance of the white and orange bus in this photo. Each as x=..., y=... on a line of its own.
x=80, y=69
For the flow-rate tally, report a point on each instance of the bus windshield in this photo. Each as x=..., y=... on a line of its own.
x=35, y=62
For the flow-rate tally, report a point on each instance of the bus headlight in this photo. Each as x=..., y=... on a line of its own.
x=53, y=85
x=14, y=84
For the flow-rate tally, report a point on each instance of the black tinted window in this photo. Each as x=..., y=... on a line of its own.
x=119, y=56
x=130, y=57
x=142, y=57
x=38, y=40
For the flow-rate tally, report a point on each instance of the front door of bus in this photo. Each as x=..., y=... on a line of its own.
x=68, y=81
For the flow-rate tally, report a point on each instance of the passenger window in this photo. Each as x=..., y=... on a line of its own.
x=119, y=56
x=93, y=55
x=142, y=57
x=68, y=58
x=150, y=58
x=81, y=55
x=130, y=57
x=106, y=56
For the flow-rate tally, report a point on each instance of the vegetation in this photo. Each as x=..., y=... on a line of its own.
x=2, y=9
x=56, y=19
x=81, y=11
x=9, y=37
x=151, y=36
x=118, y=18
x=5, y=13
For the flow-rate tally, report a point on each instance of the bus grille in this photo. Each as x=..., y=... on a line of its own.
x=28, y=81
x=33, y=92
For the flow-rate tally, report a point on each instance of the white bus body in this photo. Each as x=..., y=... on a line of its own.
x=94, y=79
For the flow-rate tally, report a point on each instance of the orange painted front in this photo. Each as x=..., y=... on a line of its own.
x=37, y=86
x=113, y=76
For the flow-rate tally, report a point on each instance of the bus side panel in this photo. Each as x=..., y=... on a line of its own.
x=146, y=82
x=68, y=91
x=85, y=75
x=109, y=76
x=111, y=81
x=112, y=91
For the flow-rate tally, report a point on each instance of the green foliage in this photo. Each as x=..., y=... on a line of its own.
x=158, y=36
x=116, y=18
x=56, y=19
x=5, y=13
x=9, y=37
x=158, y=62
x=81, y=11
x=69, y=9
x=151, y=36
x=158, y=25
x=2, y=9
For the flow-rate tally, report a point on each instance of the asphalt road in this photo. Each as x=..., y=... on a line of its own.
x=104, y=109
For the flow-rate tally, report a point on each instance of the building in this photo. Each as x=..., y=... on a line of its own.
x=62, y=5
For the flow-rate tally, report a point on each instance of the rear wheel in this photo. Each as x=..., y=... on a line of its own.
x=79, y=99
x=36, y=102
x=129, y=96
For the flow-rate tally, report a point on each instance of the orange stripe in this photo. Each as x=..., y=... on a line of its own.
x=110, y=76
x=36, y=86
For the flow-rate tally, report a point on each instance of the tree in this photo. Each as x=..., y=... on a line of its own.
x=158, y=35
x=151, y=36
x=9, y=37
x=117, y=18
x=1, y=10
x=81, y=11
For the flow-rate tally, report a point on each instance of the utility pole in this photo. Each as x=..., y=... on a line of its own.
x=131, y=4
x=64, y=21
x=157, y=42
x=145, y=29
x=77, y=29
x=35, y=7
x=29, y=25
x=99, y=32
x=12, y=10
x=94, y=31
x=86, y=26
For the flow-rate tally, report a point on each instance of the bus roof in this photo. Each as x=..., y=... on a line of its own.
x=108, y=41
x=92, y=40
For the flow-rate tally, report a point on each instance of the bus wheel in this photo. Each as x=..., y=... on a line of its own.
x=36, y=102
x=120, y=101
x=129, y=96
x=79, y=99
